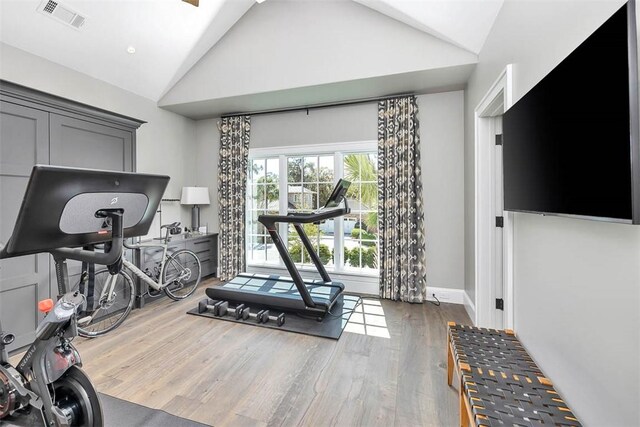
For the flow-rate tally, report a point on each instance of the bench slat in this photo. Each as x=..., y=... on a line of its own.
x=500, y=384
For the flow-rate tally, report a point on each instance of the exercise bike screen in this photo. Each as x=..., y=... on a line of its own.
x=60, y=204
x=79, y=214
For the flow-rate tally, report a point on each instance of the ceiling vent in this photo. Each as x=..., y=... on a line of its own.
x=62, y=13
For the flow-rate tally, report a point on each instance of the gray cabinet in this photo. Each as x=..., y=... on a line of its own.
x=38, y=128
x=148, y=259
x=79, y=143
x=206, y=248
x=24, y=141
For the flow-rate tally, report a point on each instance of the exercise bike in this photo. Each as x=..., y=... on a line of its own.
x=48, y=387
x=48, y=382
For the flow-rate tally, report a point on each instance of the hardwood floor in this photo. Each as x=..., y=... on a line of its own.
x=224, y=373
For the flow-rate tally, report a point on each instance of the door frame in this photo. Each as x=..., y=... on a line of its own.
x=498, y=99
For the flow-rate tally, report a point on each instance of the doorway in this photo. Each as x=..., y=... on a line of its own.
x=493, y=227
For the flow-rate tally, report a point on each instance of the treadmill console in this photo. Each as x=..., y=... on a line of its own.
x=338, y=194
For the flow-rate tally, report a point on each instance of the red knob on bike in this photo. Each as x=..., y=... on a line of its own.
x=45, y=305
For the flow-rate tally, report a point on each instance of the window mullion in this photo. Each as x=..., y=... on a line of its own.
x=283, y=187
x=248, y=213
x=338, y=230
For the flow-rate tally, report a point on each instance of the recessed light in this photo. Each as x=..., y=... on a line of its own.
x=131, y=49
x=259, y=1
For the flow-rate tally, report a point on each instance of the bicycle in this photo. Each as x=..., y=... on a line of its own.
x=112, y=296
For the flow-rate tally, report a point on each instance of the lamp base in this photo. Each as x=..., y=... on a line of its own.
x=195, y=218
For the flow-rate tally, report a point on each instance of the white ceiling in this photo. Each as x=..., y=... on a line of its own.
x=170, y=36
x=464, y=23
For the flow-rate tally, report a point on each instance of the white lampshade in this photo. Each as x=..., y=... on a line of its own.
x=195, y=196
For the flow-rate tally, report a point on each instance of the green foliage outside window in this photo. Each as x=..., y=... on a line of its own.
x=295, y=250
x=369, y=257
x=357, y=233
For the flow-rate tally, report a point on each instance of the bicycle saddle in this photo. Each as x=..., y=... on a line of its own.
x=172, y=225
x=174, y=228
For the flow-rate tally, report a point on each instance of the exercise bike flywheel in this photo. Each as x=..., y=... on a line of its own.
x=7, y=396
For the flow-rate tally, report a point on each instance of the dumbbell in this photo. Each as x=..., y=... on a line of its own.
x=258, y=317
x=206, y=304
x=279, y=319
x=221, y=308
x=239, y=312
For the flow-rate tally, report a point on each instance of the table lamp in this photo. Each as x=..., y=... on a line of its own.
x=195, y=196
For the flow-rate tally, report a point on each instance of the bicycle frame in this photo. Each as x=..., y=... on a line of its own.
x=159, y=285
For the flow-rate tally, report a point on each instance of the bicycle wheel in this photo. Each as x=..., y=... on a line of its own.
x=107, y=307
x=181, y=274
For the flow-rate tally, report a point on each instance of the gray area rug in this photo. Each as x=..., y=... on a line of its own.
x=117, y=413
x=331, y=326
x=120, y=413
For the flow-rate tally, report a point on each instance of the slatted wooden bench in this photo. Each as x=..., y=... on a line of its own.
x=500, y=384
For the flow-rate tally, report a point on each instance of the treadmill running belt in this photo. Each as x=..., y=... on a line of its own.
x=279, y=285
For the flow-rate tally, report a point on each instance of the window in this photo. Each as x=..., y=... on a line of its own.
x=310, y=180
x=347, y=244
x=361, y=225
x=263, y=198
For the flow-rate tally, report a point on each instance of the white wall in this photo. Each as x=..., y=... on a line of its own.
x=284, y=44
x=165, y=144
x=576, y=282
x=442, y=150
x=442, y=131
x=321, y=126
x=206, y=168
x=577, y=302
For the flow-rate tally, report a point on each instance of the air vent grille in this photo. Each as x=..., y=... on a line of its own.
x=51, y=5
x=62, y=13
x=78, y=21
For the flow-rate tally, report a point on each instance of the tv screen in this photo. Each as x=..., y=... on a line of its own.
x=568, y=142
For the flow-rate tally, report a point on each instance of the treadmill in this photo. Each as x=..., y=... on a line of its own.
x=310, y=297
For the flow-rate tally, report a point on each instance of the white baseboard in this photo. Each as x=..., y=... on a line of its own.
x=470, y=307
x=448, y=295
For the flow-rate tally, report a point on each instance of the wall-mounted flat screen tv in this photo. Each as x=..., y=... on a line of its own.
x=571, y=143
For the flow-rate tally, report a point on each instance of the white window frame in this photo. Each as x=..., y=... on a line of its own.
x=335, y=149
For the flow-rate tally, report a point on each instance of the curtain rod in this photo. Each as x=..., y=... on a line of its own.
x=317, y=106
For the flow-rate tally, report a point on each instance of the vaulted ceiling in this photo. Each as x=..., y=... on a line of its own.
x=170, y=37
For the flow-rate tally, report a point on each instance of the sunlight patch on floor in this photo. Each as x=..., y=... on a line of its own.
x=368, y=319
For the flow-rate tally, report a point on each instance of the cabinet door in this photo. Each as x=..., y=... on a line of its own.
x=24, y=141
x=79, y=143
x=203, y=248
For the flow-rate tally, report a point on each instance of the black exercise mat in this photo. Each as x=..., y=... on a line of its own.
x=117, y=413
x=120, y=413
x=331, y=327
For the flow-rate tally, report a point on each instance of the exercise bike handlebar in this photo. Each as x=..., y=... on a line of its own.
x=113, y=249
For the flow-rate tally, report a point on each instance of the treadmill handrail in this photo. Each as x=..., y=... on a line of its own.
x=297, y=219
x=303, y=218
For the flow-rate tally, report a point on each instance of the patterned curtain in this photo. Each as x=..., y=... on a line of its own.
x=400, y=215
x=232, y=187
